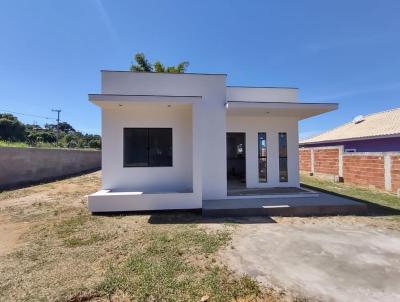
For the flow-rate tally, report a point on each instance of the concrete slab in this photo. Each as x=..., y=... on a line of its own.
x=323, y=204
x=260, y=191
x=325, y=262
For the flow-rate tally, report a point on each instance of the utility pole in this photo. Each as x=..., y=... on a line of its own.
x=58, y=121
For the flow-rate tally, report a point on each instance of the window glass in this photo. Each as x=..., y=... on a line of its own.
x=160, y=147
x=136, y=147
x=262, y=157
x=147, y=147
x=283, y=166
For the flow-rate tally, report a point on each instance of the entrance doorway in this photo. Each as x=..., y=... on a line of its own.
x=236, y=159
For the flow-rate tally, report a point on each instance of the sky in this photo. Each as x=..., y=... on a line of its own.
x=51, y=52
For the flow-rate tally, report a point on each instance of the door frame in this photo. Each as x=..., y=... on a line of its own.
x=244, y=157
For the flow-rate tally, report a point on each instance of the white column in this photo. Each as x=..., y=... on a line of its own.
x=196, y=141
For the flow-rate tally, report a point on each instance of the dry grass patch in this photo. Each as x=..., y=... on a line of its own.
x=67, y=254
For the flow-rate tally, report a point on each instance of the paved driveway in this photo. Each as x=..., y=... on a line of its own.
x=330, y=262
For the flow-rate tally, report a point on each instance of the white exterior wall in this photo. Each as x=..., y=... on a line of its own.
x=177, y=178
x=261, y=94
x=271, y=126
x=211, y=116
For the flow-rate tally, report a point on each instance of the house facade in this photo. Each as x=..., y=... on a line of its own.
x=170, y=141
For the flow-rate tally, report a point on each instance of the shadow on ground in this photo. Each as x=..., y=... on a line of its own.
x=189, y=216
x=196, y=217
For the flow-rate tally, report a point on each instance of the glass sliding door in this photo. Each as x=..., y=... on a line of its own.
x=283, y=162
x=262, y=157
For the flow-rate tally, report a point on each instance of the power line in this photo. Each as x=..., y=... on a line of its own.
x=28, y=114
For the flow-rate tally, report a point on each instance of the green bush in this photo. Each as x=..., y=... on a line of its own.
x=11, y=129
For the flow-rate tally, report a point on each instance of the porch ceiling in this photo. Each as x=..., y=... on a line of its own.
x=117, y=100
x=278, y=109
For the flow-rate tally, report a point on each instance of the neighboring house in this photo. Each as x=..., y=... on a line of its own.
x=170, y=141
x=377, y=132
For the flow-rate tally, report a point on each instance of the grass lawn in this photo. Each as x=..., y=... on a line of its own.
x=374, y=197
x=64, y=253
x=381, y=205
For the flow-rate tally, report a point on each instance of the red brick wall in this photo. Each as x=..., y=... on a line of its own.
x=395, y=173
x=305, y=160
x=326, y=161
x=364, y=170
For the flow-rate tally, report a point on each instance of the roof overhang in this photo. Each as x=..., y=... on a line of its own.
x=118, y=100
x=349, y=139
x=278, y=109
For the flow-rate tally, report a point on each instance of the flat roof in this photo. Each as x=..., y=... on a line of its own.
x=273, y=87
x=278, y=109
x=118, y=100
x=169, y=73
x=298, y=103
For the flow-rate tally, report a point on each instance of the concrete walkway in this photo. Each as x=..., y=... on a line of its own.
x=325, y=262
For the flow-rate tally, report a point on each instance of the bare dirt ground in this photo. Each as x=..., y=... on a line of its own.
x=26, y=201
x=10, y=234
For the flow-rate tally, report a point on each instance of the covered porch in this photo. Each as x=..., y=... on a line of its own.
x=262, y=145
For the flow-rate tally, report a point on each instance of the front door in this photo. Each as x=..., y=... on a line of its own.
x=236, y=159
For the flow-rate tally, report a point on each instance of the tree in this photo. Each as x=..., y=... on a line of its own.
x=143, y=65
x=63, y=127
x=180, y=68
x=11, y=129
x=95, y=143
x=41, y=136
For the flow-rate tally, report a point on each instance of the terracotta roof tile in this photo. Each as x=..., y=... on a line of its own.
x=376, y=124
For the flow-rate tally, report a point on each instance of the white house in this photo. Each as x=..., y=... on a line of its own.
x=172, y=141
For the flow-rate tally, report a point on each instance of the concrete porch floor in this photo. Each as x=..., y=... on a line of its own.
x=323, y=204
x=243, y=191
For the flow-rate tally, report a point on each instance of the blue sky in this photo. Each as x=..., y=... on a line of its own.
x=334, y=51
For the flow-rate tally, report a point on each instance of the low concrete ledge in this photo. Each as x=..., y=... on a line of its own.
x=107, y=201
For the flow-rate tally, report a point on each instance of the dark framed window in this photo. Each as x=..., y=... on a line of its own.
x=147, y=147
x=283, y=162
x=262, y=157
